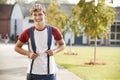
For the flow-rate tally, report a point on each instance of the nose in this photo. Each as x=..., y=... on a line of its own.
x=37, y=16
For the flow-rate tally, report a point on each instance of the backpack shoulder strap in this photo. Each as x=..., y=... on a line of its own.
x=33, y=45
x=32, y=39
x=49, y=31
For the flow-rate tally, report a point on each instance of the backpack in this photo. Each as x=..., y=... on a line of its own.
x=49, y=32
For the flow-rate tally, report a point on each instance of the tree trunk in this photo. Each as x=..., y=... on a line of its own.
x=88, y=40
x=95, y=45
x=70, y=40
x=106, y=40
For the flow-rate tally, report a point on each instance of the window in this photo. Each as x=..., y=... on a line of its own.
x=118, y=43
x=115, y=34
x=31, y=21
x=112, y=36
x=113, y=28
x=118, y=36
x=118, y=22
x=118, y=28
x=112, y=43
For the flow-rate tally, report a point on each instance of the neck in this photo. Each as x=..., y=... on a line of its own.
x=40, y=27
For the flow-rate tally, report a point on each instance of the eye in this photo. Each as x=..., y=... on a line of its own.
x=34, y=14
x=40, y=14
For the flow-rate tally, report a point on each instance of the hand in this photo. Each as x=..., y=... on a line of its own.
x=49, y=52
x=33, y=55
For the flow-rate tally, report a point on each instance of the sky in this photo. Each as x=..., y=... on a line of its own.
x=115, y=2
x=73, y=1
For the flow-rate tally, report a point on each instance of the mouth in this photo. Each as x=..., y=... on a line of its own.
x=39, y=20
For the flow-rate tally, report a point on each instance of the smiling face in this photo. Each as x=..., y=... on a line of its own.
x=39, y=18
x=38, y=14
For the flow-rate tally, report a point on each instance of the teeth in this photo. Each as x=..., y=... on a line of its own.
x=38, y=21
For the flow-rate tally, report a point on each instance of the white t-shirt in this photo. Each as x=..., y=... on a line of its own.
x=40, y=37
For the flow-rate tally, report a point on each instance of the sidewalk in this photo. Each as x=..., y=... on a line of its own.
x=13, y=66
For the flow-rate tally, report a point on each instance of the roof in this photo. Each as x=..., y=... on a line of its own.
x=5, y=11
x=65, y=7
x=26, y=8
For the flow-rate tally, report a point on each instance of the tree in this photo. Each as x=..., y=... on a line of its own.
x=3, y=1
x=56, y=16
x=96, y=19
x=73, y=27
x=60, y=19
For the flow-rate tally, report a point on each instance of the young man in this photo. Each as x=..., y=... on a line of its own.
x=39, y=67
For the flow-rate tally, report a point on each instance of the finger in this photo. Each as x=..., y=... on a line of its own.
x=34, y=56
x=50, y=53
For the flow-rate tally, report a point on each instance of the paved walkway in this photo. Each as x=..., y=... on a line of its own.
x=13, y=66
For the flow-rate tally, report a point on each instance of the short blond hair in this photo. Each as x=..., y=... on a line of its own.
x=37, y=7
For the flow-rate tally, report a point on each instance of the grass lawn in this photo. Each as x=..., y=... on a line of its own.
x=75, y=63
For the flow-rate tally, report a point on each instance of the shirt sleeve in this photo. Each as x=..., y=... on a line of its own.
x=24, y=36
x=56, y=33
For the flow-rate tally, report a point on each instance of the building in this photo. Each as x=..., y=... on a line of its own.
x=5, y=13
x=11, y=19
x=16, y=18
x=114, y=36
